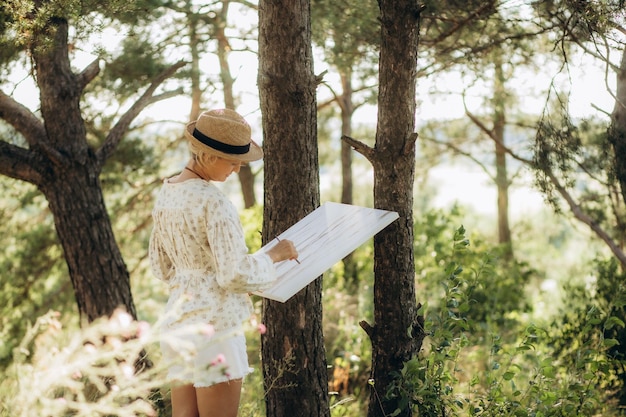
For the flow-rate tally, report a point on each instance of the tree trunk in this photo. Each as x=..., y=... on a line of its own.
x=194, y=73
x=502, y=176
x=246, y=176
x=350, y=271
x=69, y=180
x=97, y=270
x=398, y=330
x=347, y=110
x=617, y=129
x=294, y=361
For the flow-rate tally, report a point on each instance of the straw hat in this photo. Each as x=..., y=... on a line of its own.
x=224, y=133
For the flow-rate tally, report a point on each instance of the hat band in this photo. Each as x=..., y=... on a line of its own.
x=221, y=146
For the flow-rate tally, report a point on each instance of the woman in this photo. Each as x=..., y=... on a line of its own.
x=197, y=247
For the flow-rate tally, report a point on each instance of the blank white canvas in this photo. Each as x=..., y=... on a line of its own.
x=323, y=238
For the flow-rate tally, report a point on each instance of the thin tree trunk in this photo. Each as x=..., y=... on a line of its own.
x=617, y=130
x=502, y=177
x=347, y=109
x=398, y=332
x=350, y=272
x=294, y=361
x=194, y=74
x=246, y=176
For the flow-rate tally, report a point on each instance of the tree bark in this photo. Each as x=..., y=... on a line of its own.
x=100, y=278
x=617, y=129
x=246, y=176
x=194, y=72
x=347, y=110
x=502, y=176
x=398, y=332
x=294, y=361
x=350, y=271
x=99, y=275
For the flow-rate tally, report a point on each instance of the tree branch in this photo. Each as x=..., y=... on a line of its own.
x=461, y=152
x=360, y=147
x=459, y=24
x=89, y=73
x=117, y=132
x=21, y=118
x=410, y=144
x=580, y=215
x=15, y=162
x=575, y=208
x=368, y=329
x=28, y=125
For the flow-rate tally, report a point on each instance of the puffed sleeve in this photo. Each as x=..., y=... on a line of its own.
x=236, y=269
x=160, y=262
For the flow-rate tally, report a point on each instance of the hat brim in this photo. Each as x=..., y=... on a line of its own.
x=254, y=154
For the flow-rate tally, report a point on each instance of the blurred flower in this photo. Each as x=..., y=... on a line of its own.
x=219, y=359
x=207, y=330
x=55, y=325
x=143, y=330
x=90, y=348
x=122, y=318
x=127, y=370
x=115, y=342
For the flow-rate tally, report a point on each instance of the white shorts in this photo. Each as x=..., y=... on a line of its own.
x=205, y=360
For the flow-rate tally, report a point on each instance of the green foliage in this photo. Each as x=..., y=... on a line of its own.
x=349, y=31
x=580, y=21
x=138, y=63
x=491, y=282
x=577, y=157
x=26, y=19
x=252, y=222
x=590, y=333
x=33, y=275
x=516, y=375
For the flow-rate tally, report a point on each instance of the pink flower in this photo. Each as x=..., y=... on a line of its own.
x=261, y=328
x=219, y=359
x=143, y=329
x=55, y=325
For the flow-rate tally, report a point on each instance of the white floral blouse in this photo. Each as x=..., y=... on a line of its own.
x=198, y=248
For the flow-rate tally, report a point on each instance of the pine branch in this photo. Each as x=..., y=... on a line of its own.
x=121, y=127
x=30, y=127
x=89, y=73
x=15, y=162
x=360, y=147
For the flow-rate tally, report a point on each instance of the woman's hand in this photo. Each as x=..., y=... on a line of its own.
x=283, y=250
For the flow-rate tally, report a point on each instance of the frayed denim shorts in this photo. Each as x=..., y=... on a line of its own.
x=205, y=359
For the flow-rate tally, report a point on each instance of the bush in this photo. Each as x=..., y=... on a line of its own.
x=457, y=374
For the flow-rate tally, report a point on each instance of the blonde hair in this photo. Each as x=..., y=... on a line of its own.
x=200, y=154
